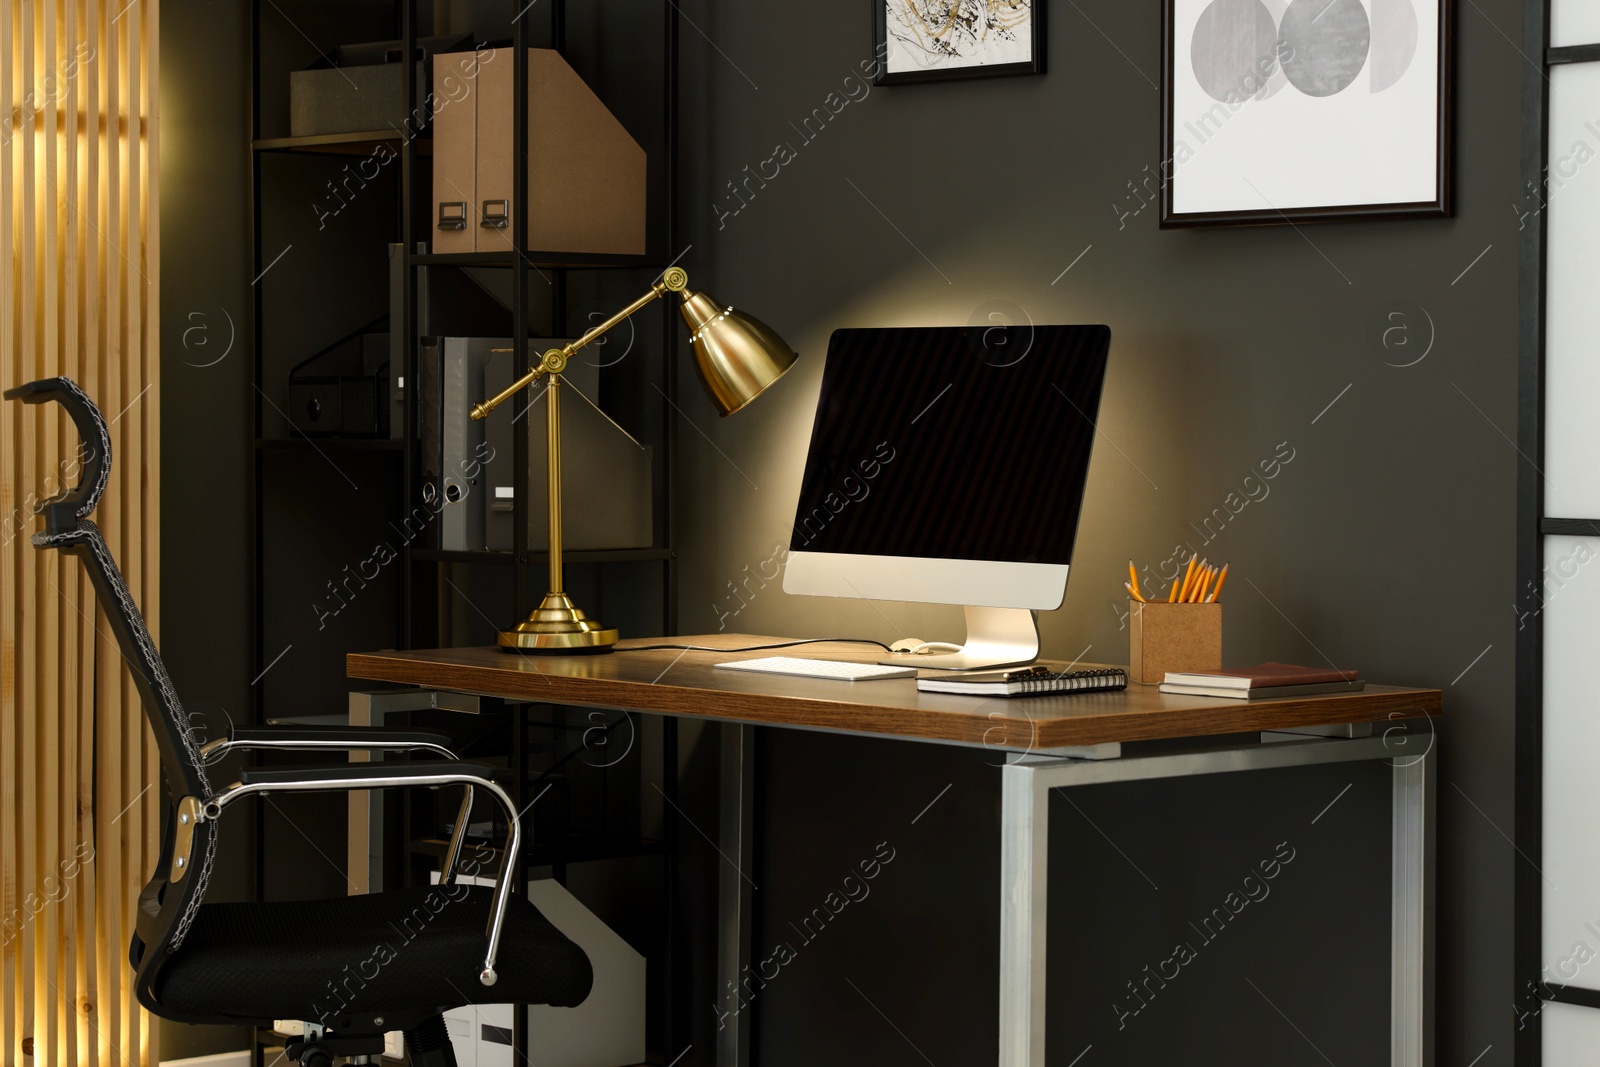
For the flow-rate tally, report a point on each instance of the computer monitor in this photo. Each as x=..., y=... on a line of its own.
x=947, y=466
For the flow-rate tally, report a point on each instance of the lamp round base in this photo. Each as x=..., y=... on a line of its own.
x=568, y=644
x=558, y=626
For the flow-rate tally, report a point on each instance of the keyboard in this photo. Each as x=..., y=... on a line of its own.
x=830, y=669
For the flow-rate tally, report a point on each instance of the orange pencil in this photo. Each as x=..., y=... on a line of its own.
x=1220, y=579
x=1133, y=579
x=1205, y=585
x=1133, y=592
x=1183, y=590
x=1194, y=586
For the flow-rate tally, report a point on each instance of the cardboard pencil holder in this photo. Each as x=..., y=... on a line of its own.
x=1173, y=637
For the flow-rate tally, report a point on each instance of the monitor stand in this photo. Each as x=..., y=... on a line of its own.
x=996, y=637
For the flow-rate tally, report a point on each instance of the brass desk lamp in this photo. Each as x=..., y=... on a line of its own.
x=736, y=356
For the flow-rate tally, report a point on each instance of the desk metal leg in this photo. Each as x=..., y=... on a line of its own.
x=734, y=903
x=1411, y=930
x=364, y=852
x=1024, y=871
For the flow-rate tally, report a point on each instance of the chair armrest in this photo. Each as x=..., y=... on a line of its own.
x=430, y=773
x=458, y=772
x=331, y=738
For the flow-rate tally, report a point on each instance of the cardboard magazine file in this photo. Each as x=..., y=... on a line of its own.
x=586, y=175
x=1166, y=637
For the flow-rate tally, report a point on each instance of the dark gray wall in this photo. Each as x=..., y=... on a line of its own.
x=206, y=412
x=1385, y=544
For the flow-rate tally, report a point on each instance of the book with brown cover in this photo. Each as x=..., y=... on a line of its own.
x=1262, y=675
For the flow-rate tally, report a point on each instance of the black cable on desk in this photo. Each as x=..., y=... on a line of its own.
x=760, y=648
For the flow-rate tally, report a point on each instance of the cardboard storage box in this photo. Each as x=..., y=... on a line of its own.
x=1166, y=637
x=362, y=89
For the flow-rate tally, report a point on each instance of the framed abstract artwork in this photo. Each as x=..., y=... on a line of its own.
x=937, y=40
x=1279, y=111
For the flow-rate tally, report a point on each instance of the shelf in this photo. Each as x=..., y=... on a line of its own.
x=339, y=144
x=442, y=555
x=326, y=444
x=549, y=260
x=603, y=555
x=579, y=848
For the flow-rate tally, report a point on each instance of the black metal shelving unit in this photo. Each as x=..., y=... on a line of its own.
x=422, y=570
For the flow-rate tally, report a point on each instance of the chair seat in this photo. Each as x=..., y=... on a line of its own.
x=406, y=949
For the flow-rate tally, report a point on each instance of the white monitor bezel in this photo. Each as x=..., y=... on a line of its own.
x=925, y=580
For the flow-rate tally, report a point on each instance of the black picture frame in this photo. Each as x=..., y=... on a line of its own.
x=1442, y=206
x=880, y=42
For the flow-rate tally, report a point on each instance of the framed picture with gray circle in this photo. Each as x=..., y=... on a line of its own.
x=1283, y=111
x=937, y=40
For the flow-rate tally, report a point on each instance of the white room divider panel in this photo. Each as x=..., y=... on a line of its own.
x=1570, y=868
x=1574, y=22
x=1571, y=1034
x=1572, y=285
x=1557, y=996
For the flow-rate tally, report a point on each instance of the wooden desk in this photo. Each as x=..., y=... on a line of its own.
x=673, y=682
x=1049, y=743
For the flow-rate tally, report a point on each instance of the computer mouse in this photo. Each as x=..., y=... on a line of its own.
x=915, y=646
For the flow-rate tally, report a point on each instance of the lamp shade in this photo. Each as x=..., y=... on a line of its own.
x=736, y=356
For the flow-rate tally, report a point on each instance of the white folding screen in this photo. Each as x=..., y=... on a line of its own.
x=1570, y=866
x=1571, y=1035
x=1572, y=282
x=1561, y=593
x=1574, y=22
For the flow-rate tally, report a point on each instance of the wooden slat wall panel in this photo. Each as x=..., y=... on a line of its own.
x=78, y=296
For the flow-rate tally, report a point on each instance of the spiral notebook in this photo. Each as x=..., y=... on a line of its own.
x=1026, y=681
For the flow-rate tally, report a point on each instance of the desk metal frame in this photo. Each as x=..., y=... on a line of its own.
x=1026, y=781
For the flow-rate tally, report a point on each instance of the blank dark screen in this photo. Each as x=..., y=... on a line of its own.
x=953, y=442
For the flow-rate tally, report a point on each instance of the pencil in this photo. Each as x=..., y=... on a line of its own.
x=1205, y=585
x=1133, y=592
x=1133, y=578
x=1183, y=591
x=1220, y=579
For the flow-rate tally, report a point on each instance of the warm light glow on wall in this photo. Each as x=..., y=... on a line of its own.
x=78, y=803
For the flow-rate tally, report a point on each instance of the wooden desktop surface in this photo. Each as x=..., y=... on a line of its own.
x=675, y=682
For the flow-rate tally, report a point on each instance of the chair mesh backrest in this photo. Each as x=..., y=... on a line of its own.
x=162, y=706
x=174, y=733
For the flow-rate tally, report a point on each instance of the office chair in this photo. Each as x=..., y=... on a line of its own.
x=351, y=968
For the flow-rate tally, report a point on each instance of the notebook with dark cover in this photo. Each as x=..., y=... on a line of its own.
x=1026, y=681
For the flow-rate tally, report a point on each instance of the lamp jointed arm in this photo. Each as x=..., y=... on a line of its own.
x=673, y=280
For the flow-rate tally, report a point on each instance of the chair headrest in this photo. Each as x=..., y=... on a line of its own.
x=62, y=513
